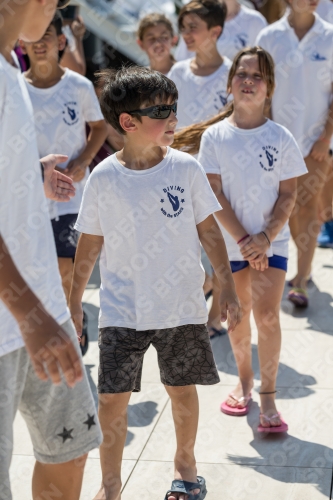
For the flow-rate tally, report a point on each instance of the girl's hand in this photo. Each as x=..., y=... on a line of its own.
x=260, y=263
x=253, y=248
x=320, y=149
x=76, y=169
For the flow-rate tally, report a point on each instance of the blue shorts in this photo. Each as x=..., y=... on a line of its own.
x=65, y=236
x=276, y=261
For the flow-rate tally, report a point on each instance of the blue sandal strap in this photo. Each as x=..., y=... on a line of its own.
x=180, y=486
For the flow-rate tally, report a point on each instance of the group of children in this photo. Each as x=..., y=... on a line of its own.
x=222, y=150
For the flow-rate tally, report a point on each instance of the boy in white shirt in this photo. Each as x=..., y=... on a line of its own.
x=201, y=81
x=162, y=208
x=301, y=44
x=241, y=29
x=61, y=418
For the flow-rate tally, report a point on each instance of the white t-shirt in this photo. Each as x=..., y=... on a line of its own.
x=24, y=219
x=240, y=32
x=252, y=163
x=200, y=97
x=304, y=76
x=150, y=265
x=325, y=10
x=61, y=113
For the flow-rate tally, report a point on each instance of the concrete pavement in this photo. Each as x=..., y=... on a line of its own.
x=236, y=462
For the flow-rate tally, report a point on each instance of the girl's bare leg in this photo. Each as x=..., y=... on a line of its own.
x=304, y=222
x=267, y=290
x=240, y=338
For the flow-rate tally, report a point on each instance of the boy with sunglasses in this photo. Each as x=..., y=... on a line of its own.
x=37, y=338
x=147, y=208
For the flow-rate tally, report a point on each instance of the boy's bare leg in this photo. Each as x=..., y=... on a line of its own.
x=66, y=266
x=326, y=199
x=112, y=413
x=58, y=480
x=185, y=412
x=240, y=338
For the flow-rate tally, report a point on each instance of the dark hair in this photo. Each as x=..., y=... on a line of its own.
x=213, y=12
x=151, y=20
x=129, y=88
x=57, y=22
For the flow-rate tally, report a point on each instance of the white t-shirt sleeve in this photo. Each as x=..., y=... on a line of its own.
x=204, y=201
x=91, y=108
x=293, y=164
x=207, y=154
x=88, y=220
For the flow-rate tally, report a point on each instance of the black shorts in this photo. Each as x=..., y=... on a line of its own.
x=185, y=357
x=65, y=236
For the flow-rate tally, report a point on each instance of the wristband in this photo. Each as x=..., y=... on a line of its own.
x=268, y=240
x=244, y=237
x=42, y=170
x=323, y=139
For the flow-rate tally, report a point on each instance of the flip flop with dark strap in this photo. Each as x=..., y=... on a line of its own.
x=185, y=487
x=299, y=297
x=217, y=333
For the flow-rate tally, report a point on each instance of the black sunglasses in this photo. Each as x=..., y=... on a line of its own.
x=159, y=112
x=62, y=4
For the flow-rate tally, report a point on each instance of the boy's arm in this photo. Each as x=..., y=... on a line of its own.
x=49, y=347
x=321, y=147
x=87, y=251
x=283, y=208
x=76, y=168
x=212, y=240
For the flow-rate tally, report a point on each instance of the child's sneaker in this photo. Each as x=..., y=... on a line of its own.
x=325, y=238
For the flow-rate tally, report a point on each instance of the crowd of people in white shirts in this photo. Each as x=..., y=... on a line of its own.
x=223, y=150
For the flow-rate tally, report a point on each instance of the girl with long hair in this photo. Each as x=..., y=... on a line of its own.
x=252, y=164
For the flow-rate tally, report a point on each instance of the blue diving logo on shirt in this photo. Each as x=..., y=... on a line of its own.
x=317, y=57
x=172, y=202
x=220, y=100
x=241, y=40
x=268, y=158
x=70, y=113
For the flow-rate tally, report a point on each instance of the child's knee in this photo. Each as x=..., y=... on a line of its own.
x=181, y=392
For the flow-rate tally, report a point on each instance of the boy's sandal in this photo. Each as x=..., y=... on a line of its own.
x=309, y=279
x=180, y=486
x=217, y=333
x=299, y=297
x=273, y=429
x=244, y=403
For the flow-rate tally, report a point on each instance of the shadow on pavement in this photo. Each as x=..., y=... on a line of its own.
x=288, y=459
x=287, y=377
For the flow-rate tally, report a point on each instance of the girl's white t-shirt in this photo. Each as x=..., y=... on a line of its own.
x=252, y=163
x=61, y=113
x=151, y=273
x=325, y=10
x=200, y=97
x=24, y=219
x=240, y=32
x=304, y=76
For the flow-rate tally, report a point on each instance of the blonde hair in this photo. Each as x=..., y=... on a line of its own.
x=151, y=20
x=188, y=139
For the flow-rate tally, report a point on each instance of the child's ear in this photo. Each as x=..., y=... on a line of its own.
x=127, y=122
x=139, y=42
x=23, y=47
x=216, y=31
x=61, y=42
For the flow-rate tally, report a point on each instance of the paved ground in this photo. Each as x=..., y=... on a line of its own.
x=237, y=463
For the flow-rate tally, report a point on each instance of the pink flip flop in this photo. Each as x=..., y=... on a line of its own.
x=245, y=402
x=273, y=429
